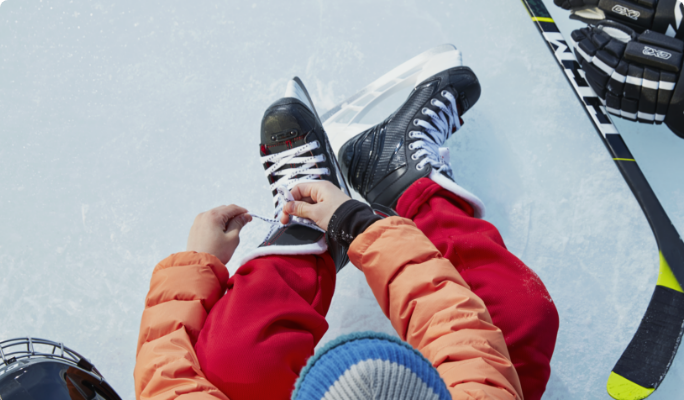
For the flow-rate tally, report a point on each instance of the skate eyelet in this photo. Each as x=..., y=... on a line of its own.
x=419, y=168
x=424, y=111
x=444, y=93
x=410, y=146
x=415, y=122
x=433, y=102
x=413, y=157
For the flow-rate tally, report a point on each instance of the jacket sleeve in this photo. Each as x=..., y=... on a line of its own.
x=433, y=309
x=183, y=289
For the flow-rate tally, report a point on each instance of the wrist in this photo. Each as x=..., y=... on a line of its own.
x=350, y=219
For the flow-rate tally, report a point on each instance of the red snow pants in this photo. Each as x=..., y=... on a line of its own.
x=258, y=337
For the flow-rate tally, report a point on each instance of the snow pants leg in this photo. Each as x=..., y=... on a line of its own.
x=259, y=336
x=516, y=298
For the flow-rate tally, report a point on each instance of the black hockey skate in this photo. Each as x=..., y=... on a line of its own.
x=295, y=149
x=383, y=161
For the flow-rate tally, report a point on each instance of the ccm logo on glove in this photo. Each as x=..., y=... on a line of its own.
x=657, y=53
x=624, y=11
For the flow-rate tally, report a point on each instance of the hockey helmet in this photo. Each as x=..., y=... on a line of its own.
x=39, y=369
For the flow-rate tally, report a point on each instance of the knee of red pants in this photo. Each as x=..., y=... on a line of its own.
x=526, y=315
x=259, y=335
x=532, y=353
x=516, y=298
x=261, y=371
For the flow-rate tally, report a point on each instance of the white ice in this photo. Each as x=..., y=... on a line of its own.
x=120, y=121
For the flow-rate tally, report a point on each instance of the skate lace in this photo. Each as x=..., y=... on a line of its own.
x=289, y=178
x=441, y=126
x=284, y=196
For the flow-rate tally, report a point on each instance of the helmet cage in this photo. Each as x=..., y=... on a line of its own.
x=12, y=350
x=81, y=379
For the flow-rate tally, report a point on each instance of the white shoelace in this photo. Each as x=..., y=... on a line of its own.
x=436, y=133
x=289, y=178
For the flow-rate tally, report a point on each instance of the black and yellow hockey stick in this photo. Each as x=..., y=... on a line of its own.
x=645, y=362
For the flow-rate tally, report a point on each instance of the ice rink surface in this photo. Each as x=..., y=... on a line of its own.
x=120, y=121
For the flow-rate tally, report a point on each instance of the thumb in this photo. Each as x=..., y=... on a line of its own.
x=238, y=222
x=299, y=209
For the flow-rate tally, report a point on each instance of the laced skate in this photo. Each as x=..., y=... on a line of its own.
x=307, y=172
x=344, y=121
x=295, y=149
x=382, y=161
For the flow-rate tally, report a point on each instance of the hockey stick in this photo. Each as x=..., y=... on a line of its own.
x=645, y=362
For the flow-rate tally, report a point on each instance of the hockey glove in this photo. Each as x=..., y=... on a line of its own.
x=663, y=16
x=638, y=76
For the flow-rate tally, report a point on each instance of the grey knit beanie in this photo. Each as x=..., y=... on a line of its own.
x=369, y=365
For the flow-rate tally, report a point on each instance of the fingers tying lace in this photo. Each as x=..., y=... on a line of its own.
x=289, y=178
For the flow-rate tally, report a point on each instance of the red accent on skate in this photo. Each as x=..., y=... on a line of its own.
x=268, y=146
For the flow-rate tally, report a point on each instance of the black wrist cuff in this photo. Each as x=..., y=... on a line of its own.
x=350, y=219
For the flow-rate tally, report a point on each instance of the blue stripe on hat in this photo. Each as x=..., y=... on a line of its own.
x=331, y=362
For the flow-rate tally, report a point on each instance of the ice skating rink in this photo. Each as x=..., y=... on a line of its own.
x=120, y=121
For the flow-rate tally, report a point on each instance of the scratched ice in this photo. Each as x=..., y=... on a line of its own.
x=121, y=121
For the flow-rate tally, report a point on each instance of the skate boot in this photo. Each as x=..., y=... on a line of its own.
x=294, y=149
x=383, y=161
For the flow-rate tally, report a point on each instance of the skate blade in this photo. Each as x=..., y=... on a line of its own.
x=344, y=121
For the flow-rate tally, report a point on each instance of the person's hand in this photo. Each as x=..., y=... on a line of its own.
x=664, y=16
x=316, y=201
x=217, y=231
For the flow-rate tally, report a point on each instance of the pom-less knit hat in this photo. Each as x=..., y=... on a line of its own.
x=369, y=365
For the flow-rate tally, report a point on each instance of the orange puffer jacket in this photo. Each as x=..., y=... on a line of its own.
x=425, y=298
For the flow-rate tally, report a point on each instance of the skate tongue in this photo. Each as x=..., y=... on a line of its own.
x=445, y=163
x=444, y=155
x=286, y=141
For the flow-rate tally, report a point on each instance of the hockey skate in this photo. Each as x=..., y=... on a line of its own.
x=382, y=161
x=294, y=149
x=347, y=119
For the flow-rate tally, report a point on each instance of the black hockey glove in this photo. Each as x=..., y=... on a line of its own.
x=638, y=76
x=663, y=16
